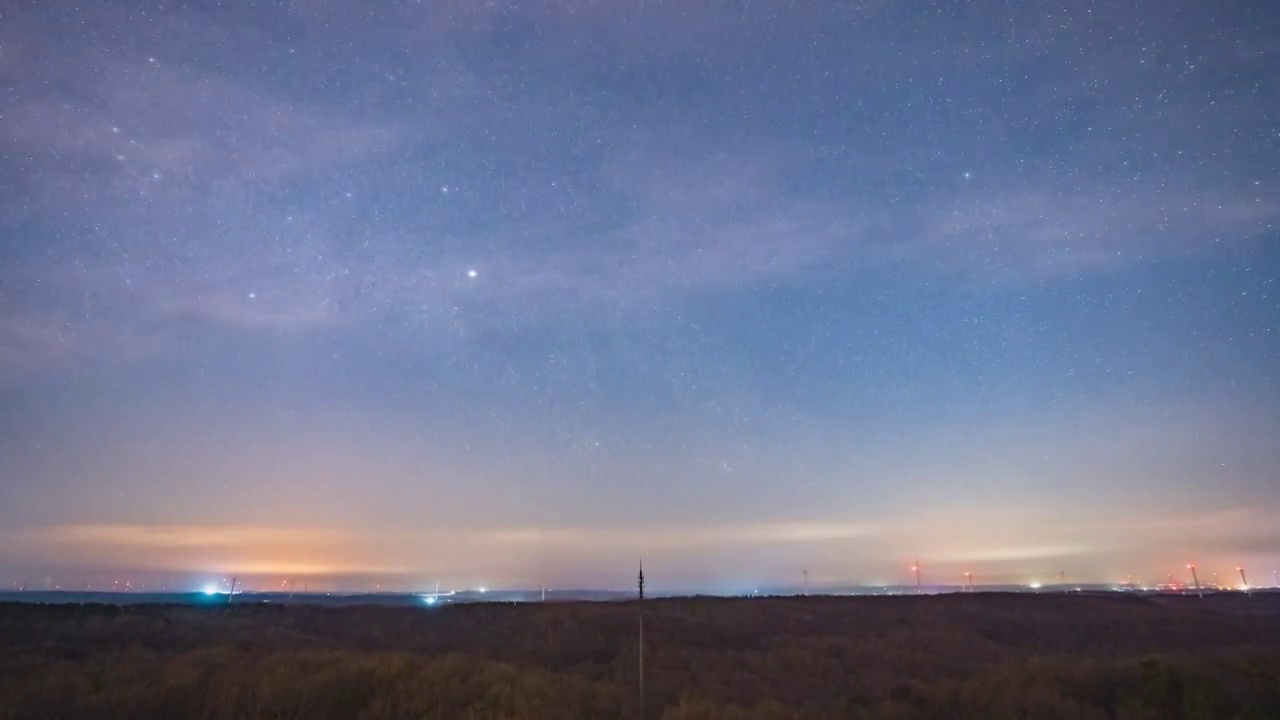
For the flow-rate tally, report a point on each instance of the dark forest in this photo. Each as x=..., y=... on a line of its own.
x=958, y=657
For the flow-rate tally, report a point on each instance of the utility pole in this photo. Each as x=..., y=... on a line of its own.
x=233, y=591
x=1062, y=578
x=806, y=581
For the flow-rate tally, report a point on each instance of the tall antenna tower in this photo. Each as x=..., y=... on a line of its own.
x=640, y=645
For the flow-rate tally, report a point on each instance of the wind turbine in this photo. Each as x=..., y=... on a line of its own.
x=1195, y=578
x=916, y=569
x=968, y=579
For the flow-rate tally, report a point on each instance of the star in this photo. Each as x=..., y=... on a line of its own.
x=472, y=274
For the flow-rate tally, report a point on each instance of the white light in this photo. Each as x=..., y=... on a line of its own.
x=484, y=590
x=1034, y=586
x=429, y=599
x=210, y=590
x=472, y=274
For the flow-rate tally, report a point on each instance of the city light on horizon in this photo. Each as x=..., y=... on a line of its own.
x=687, y=583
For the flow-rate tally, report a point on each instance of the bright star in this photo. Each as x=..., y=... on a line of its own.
x=472, y=273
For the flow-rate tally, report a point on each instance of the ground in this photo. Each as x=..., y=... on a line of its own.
x=980, y=656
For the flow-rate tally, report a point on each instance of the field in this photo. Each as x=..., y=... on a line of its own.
x=980, y=657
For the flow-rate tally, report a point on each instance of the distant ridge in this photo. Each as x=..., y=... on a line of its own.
x=346, y=599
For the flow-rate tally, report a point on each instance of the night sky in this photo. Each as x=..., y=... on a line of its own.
x=511, y=292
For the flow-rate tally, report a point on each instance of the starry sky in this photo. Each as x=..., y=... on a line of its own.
x=515, y=292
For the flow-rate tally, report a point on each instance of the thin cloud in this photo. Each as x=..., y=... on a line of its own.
x=173, y=536
x=144, y=132
x=34, y=342
x=632, y=540
x=246, y=311
x=1014, y=543
x=1020, y=233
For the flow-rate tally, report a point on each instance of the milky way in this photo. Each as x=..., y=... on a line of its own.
x=513, y=293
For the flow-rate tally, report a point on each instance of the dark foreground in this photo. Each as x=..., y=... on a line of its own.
x=987, y=657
